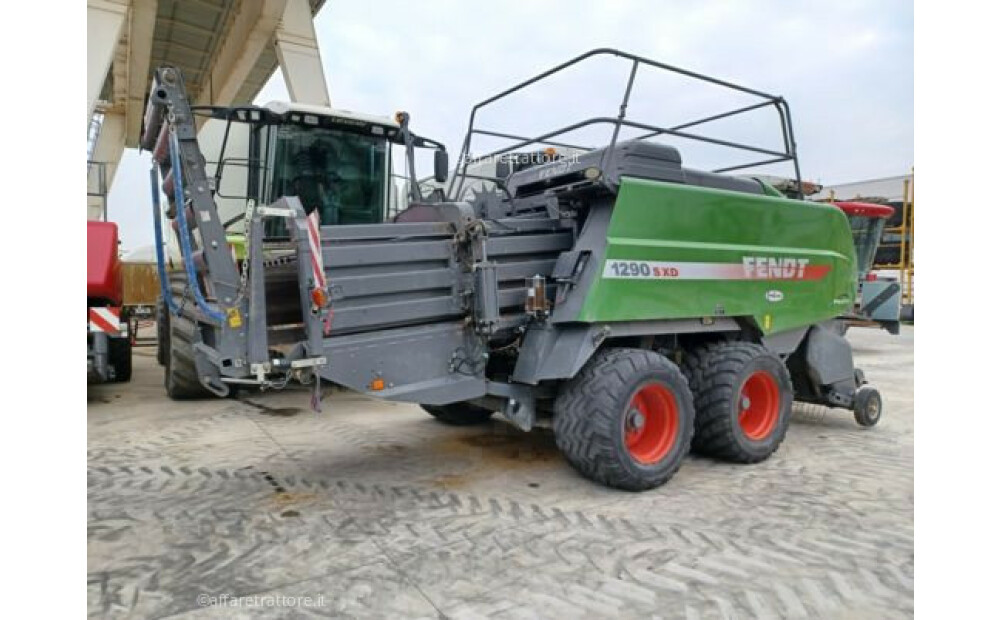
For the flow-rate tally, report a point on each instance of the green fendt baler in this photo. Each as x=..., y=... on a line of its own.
x=677, y=251
x=639, y=307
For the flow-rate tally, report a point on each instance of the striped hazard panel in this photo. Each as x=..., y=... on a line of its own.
x=107, y=320
x=316, y=249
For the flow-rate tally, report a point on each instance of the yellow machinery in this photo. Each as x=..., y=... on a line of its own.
x=904, y=233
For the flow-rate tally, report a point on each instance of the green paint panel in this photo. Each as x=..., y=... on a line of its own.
x=689, y=252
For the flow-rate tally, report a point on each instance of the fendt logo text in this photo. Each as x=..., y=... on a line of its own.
x=771, y=268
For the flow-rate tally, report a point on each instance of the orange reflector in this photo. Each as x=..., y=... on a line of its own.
x=319, y=297
x=550, y=151
x=377, y=384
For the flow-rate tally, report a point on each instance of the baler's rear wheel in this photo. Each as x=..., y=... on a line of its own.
x=743, y=394
x=458, y=414
x=626, y=419
x=180, y=373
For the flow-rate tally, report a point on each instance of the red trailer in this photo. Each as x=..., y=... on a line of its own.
x=109, y=343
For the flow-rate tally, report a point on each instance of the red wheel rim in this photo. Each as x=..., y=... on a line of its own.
x=759, y=405
x=651, y=423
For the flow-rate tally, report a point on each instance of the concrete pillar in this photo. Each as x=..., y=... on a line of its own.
x=299, y=57
x=142, y=21
x=105, y=19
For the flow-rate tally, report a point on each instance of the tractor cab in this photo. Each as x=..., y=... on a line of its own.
x=337, y=162
x=878, y=296
x=867, y=222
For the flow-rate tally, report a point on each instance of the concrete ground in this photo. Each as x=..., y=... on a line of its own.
x=376, y=510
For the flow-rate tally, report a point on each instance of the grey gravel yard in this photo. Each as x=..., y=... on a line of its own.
x=374, y=509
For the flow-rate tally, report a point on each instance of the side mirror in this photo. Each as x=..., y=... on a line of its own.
x=440, y=165
x=503, y=168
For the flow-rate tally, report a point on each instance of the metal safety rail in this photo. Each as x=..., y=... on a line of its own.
x=621, y=120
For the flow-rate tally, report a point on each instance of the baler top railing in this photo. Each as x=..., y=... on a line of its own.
x=788, y=153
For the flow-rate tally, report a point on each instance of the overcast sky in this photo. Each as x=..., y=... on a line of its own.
x=845, y=67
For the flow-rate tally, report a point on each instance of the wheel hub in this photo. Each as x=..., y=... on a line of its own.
x=759, y=405
x=652, y=423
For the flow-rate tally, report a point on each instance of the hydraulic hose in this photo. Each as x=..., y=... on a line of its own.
x=185, y=237
x=161, y=267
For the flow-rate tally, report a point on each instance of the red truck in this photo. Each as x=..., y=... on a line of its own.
x=109, y=343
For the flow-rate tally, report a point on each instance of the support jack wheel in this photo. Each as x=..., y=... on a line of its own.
x=867, y=406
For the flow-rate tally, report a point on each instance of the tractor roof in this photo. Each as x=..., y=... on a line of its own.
x=865, y=209
x=286, y=109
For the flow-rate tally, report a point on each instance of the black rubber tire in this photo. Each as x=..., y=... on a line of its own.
x=162, y=331
x=458, y=414
x=717, y=373
x=867, y=406
x=120, y=358
x=590, y=418
x=180, y=377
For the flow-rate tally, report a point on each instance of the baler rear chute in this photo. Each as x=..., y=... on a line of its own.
x=637, y=305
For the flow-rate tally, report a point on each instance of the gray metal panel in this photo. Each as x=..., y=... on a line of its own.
x=396, y=312
x=379, y=231
x=594, y=239
x=553, y=353
x=371, y=254
x=880, y=300
x=559, y=352
x=829, y=357
x=528, y=244
x=425, y=374
x=786, y=342
x=524, y=269
x=388, y=275
x=387, y=283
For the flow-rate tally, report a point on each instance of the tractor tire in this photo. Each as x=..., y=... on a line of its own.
x=867, y=406
x=458, y=414
x=162, y=331
x=120, y=358
x=743, y=395
x=626, y=419
x=180, y=373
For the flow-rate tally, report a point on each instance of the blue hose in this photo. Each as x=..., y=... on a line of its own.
x=161, y=267
x=185, y=237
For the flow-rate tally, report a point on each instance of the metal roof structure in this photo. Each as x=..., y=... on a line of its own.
x=225, y=49
x=195, y=36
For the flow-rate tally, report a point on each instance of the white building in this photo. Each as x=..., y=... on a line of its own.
x=888, y=188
